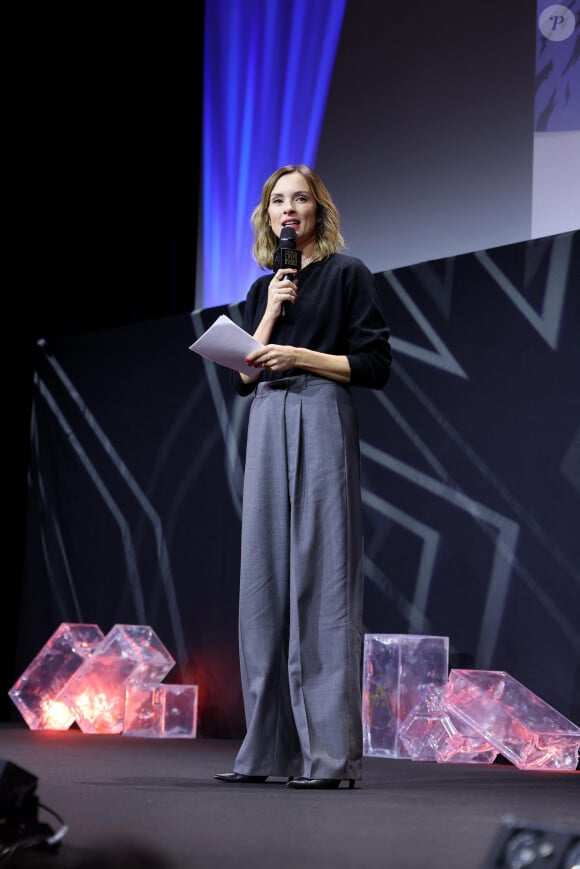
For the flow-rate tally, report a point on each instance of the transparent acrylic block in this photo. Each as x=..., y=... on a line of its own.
x=161, y=711
x=96, y=692
x=429, y=732
x=37, y=693
x=397, y=668
x=520, y=725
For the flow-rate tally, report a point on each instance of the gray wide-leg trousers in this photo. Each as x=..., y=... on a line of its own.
x=301, y=583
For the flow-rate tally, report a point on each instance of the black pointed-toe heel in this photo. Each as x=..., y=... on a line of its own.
x=239, y=778
x=303, y=783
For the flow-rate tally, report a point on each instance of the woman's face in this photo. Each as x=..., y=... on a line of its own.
x=292, y=204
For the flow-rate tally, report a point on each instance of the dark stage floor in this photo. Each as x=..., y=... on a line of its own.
x=126, y=800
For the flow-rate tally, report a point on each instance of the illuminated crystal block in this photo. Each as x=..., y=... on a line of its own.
x=522, y=727
x=96, y=692
x=161, y=711
x=429, y=732
x=397, y=669
x=421, y=730
x=38, y=692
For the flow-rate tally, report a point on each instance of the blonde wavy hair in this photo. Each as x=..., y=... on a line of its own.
x=328, y=237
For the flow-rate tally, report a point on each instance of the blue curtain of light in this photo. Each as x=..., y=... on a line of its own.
x=267, y=70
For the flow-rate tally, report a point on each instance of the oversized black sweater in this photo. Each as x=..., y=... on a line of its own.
x=337, y=311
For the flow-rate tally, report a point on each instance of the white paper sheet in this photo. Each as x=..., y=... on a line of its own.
x=227, y=344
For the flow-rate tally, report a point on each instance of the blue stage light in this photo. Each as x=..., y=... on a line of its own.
x=267, y=71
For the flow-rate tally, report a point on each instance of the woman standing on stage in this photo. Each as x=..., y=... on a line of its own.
x=301, y=580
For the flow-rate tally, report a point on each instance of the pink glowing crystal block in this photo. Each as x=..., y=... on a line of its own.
x=397, y=669
x=161, y=711
x=96, y=692
x=37, y=692
x=524, y=729
x=429, y=732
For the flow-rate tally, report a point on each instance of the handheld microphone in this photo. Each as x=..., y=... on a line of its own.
x=287, y=257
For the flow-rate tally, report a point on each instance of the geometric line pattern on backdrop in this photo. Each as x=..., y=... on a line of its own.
x=440, y=356
x=156, y=473
x=547, y=323
x=412, y=435
x=375, y=574
x=524, y=517
x=125, y=536
x=439, y=291
x=564, y=620
x=505, y=540
x=51, y=523
x=127, y=477
x=417, y=610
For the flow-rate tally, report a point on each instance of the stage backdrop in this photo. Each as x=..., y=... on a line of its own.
x=439, y=128
x=471, y=475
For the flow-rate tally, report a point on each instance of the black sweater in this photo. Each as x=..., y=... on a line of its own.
x=337, y=311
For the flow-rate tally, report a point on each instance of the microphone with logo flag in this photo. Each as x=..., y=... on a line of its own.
x=286, y=256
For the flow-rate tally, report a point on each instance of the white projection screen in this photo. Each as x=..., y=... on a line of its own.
x=431, y=142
